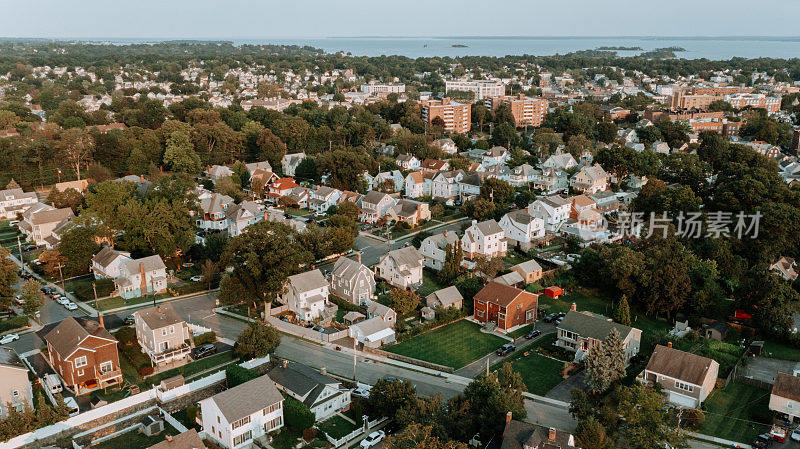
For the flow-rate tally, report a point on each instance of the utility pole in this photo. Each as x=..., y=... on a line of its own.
x=354, y=360
x=61, y=275
x=21, y=260
x=59, y=174
x=94, y=289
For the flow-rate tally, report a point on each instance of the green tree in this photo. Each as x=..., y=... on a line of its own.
x=622, y=313
x=257, y=340
x=271, y=148
x=8, y=277
x=32, y=297
x=605, y=362
x=180, y=156
x=452, y=263
x=78, y=246
x=297, y=415
x=387, y=397
x=417, y=436
x=403, y=301
x=592, y=435
x=76, y=147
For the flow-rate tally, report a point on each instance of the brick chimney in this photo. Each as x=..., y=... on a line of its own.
x=358, y=257
x=143, y=286
x=573, y=307
x=285, y=364
x=169, y=438
x=158, y=309
x=551, y=434
x=669, y=344
x=100, y=316
x=508, y=417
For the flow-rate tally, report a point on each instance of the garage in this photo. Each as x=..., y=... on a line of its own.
x=679, y=399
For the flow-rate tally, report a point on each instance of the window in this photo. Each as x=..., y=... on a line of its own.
x=501, y=316
x=480, y=313
x=15, y=393
x=172, y=329
x=242, y=438
x=106, y=367
x=164, y=331
x=272, y=408
x=269, y=425
x=80, y=361
x=240, y=422
x=80, y=372
x=684, y=386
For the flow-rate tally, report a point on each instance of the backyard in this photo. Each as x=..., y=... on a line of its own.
x=455, y=345
x=337, y=427
x=136, y=440
x=734, y=412
x=781, y=351
x=539, y=373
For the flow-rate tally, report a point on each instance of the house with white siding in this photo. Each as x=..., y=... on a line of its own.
x=486, y=239
x=521, y=228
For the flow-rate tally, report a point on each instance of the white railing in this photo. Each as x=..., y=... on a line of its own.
x=354, y=434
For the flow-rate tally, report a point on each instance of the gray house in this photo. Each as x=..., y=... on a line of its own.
x=352, y=280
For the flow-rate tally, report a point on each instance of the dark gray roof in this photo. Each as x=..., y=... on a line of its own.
x=590, y=325
x=301, y=380
x=247, y=398
x=9, y=357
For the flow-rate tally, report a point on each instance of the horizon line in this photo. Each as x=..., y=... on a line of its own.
x=491, y=36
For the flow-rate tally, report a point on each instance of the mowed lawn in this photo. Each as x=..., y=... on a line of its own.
x=455, y=345
x=734, y=412
x=539, y=373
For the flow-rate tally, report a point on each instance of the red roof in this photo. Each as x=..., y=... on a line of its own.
x=501, y=294
x=284, y=184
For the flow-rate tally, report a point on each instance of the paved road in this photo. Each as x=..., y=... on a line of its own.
x=373, y=249
x=479, y=365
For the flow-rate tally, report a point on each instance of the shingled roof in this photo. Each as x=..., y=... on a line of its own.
x=787, y=386
x=681, y=365
x=71, y=332
x=247, y=398
x=590, y=325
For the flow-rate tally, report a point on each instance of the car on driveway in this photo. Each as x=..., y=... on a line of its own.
x=372, y=439
x=506, y=349
x=550, y=318
x=129, y=320
x=71, y=306
x=796, y=434
x=360, y=392
x=533, y=333
x=197, y=278
x=63, y=300
x=203, y=351
x=762, y=441
x=8, y=338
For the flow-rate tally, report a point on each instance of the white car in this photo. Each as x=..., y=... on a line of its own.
x=8, y=338
x=360, y=392
x=373, y=439
x=71, y=306
x=72, y=405
x=63, y=300
x=796, y=434
x=197, y=278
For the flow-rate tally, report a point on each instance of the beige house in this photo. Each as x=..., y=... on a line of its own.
x=15, y=388
x=446, y=297
x=785, y=396
x=686, y=379
x=41, y=224
x=530, y=271
x=582, y=331
x=409, y=211
x=163, y=334
x=486, y=239
x=590, y=179
x=401, y=268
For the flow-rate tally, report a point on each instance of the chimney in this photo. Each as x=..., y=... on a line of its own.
x=169, y=438
x=669, y=344
x=323, y=371
x=551, y=434
x=358, y=257
x=573, y=307
x=100, y=316
x=508, y=417
x=143, y=286
x=285, y=364
x=158, y=309
x=474, y=222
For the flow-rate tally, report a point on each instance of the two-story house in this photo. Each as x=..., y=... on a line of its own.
x=280, y=188
x=785, y=396
x=321, y=199
x=107, y=263
x=433, y=165
x=139, y=277
x=505, y=306
x=16, y=392
x=388, y=181
x=446, y=145
x=495, y=156
x=686, y=379
x=217, y=172
x=522, y=435
x=84, y=354
x=14, y=202
x=237, y=416
x=408, y=162
x=322, y=394
x=242, y=215
x=163, y=335
x=590, y=179
x=352, y=280
x=582, y=331
x=307, y=294
x=485, y=239
x=290, y=162
x=418, y=185
x=551, y=181
x=213, y=212
x=434, y=249
x=41, y=224
x=522, y=175
x=469, y=186
x=401, y=267
x=521, y=228
x=374, y=206
x=561, y=161
x=409, y=211
x=554, y=210
x=445, y=186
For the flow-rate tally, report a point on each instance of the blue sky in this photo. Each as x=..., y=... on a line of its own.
x=323, y=18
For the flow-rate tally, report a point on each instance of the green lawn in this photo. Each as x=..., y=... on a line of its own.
x=192, y=368
x=521, y=331
x=539, y=373
x=735, y=411
x=455, y=345
x=286, y=439
x=777, y=350
x=82, y=288
x=336, y=427
x=430, y=283
x=136, y=440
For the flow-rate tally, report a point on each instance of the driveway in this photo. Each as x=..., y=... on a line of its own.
x=563, y=391
x=479, y=366
x=766, y=369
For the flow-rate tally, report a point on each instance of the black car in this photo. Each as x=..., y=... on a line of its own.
x=762, y=441
x=505, y=349
x=203, y=350
x=550, y=318
x=533, y=333
x=129, y=320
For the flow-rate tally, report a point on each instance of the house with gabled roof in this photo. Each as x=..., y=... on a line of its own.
x=580, y=332
x=185, y=440
x=163, y=335
x=446, y=145
x=16, y=392
x=237, y=416
x=262, y=165
x=217, y=172
x=433, y=165
x=485, y=239
x=561, y=161
x=521, y=229
x=523, y=175
x=322, y=394
x=307, y=295
x=372, y=333
x=290, y=162
x=401, y=267
x=107, y=263
x=434, y=248
x=213, y=212
x=505, y=306
x=13, y=202
x=375, y=205
x=469, y=186
x=530, y=271
x=408, y=162
x=409, y=211
x=445, y=186
x=393, y=179
x=139, y=277
x=42, y=224
x=417, y=186
x=446, y=297
x=554, y=210
x=591, y=179
x=321, y=199
x=242, y=215
x=522, y=435
x=84, y=354
x=496, y=155
x=785, y=396
x=551, y=181
x=686, y=379
x=352, y=280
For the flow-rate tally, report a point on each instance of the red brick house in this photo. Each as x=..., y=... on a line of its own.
x=506, y=306
x=84, y=354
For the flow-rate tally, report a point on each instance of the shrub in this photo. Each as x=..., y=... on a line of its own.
x=297, y=415
x=13, y=323
x=237, y=375
x=146, y=371
x=208, y=337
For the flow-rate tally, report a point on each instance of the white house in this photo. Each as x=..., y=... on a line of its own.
x=214, y=212
x=554, y=210
x=469, y=186
x=307, y=294
x=373, y=332
x=13, y=202
x=445, y=186
x=522, y=175
x=290, y=162
x=323, y=198
x=434, y=249
x=408, y=162
x=239, y=415
x=401, y=267
x=393, y=178
x=322, y=394
x=561, y=161
x=240, y=216
x=374, y=206
x=590, y=179
x=418, y=185
x=139, y=277
x=217, y=172
x=495, y=156
x=521, y=228
x=486, y=239
x=107, y=263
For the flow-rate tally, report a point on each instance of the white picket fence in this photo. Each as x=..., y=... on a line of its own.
x=123, y=404
x=354, y=434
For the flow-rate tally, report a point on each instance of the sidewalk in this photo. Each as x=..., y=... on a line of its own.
x=412, y=234
x=87, y=308
x=159, y=301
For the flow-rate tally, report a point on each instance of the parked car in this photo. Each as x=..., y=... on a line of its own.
x=63, y=300
x=558, y=320
x=18, y=300
x=53, y=383
x=762, y=441
x=203, y=350
x=71, y=306
x=796, y=434
x=72, y=405
x=197, y=278
x=360, y=392
x=505, y=349
x=29, y=247
x=533, y=333
x=550, y=318
x=8, y=338
x=373, y=439
x=129, y=320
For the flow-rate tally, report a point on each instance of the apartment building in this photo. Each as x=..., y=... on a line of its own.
x=457, y=117
x=481, y=88
x=380, y=88
x=527, y=111
x=759, y=101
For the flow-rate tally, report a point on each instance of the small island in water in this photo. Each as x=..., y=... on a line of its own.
x=621, y=48
x=459, y=46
